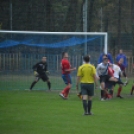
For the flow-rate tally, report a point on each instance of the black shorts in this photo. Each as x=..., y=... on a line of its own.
x=42, y=76
x=104, y=78
x=119, y=81
x=109, y=84
x=87, y=89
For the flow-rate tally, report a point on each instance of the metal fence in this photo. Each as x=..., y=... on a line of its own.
x=24, y=62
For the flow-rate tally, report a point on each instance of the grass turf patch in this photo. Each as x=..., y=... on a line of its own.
x=39, y=112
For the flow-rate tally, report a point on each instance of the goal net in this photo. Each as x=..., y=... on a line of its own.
x=20, y=50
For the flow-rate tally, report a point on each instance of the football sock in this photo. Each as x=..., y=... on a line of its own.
x=49, y=85
x=89, y=106
x=102, y=93
x=85, y=106
x=65, y=91
x=111, y=92
x=119, y=91
x=32, y=85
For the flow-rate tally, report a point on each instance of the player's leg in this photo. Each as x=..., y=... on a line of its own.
x=90, y=94
x=131, y=93
x=66, y=90
x=45, y=78
x=49, y=84
x=102, y=90
x=67, y=79
x=109, y=87
x=111, y=91
x=112, y=79
x=102, y=84
x=84, y=98
x=34, y=82
x=119, y=91
x=124, y=74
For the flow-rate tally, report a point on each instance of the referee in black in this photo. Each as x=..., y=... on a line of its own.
x=40, y=70
x=86, y=76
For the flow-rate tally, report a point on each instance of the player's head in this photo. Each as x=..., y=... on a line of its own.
x=86, y=58
x=120, y=51
x=65, y=55
x=44, y=59
x=121, y=61
x=105, y=58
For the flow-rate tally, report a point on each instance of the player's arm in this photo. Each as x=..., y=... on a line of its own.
x=71, y=69
x=117, y=59
x=46, y=69
x=98, y=71
x=78, y=79
x=77, y=83
x=67, y=70
x=35, y=69
x=95, y=76
x=125, y=61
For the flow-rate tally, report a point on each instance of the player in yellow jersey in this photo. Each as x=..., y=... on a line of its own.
x=86, y=76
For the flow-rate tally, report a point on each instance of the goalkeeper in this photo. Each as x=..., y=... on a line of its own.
x=40, y=72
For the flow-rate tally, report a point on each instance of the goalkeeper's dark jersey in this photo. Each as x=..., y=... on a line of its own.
x=40, y=67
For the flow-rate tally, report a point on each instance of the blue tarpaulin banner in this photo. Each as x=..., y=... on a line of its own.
x=34, y=43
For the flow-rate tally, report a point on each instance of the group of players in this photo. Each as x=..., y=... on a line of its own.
x=107, y=73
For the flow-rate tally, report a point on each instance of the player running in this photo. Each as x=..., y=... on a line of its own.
x=103, y=75
x=117, y=73
x=40, y=70
x=66, y=70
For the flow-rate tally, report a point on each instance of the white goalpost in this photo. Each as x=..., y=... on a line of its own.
x=105, y=34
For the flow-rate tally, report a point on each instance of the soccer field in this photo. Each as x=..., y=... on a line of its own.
x=42, y=112
x=22, y=82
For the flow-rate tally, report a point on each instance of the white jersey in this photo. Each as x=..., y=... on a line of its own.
x=102, y=69
x=117, y=71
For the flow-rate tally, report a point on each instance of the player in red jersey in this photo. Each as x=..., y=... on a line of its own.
x=66, y=69
x=123, y=68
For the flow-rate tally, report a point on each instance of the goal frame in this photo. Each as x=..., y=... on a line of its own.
x=105, y=34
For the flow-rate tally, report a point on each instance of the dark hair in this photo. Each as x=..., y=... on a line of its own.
x=63, y=53
x=86, y=58
x=105, y=55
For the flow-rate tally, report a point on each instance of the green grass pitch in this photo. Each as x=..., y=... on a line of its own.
x=41, y=112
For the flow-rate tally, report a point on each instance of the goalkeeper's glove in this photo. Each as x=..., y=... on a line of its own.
x=47, y=72
x=35, y=73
